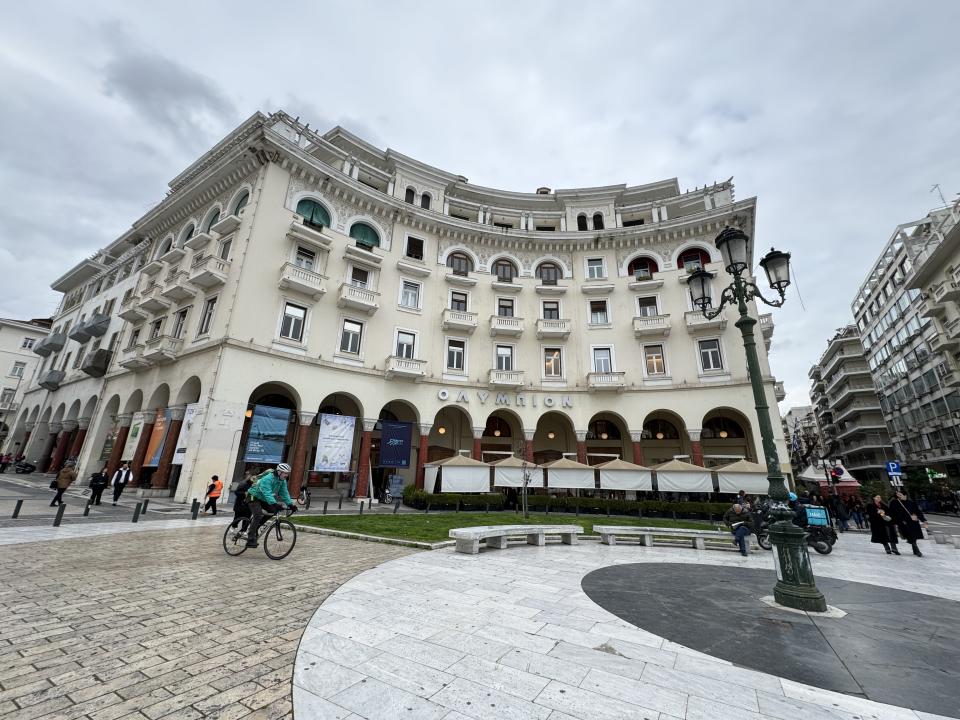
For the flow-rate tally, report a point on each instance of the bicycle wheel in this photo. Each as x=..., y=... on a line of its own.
x=234, y=540
x=280, y=539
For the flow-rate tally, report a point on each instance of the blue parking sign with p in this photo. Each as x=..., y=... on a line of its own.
x=893, y=468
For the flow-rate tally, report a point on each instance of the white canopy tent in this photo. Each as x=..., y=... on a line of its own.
x=569, y=474
x=743, y=475
x=622, y=475
x=509, y=473
x=679, y=476
x=458, y=474
x=816, y=475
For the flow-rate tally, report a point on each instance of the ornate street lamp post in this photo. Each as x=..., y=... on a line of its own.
x=795, y=586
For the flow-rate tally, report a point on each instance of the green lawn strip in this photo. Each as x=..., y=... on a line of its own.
x=434, y=527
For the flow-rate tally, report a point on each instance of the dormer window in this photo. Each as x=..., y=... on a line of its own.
x=597, y=221
x=410, y=196
x=582, y=222
x=425, y=201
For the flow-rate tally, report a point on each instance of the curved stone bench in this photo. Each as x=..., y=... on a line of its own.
x=698, y=538
x=468, y=539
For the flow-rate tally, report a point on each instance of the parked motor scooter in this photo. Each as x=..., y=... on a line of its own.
x=820, y=537
x=24, y=468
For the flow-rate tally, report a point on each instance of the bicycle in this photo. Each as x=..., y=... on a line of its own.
x=303, y=498
x=279, y=535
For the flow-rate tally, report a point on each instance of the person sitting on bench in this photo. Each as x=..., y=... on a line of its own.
x=741, y=525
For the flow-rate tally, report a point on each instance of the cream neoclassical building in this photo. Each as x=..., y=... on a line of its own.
x=289, y=277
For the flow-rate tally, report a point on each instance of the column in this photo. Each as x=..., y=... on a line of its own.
x=83, y=424
x=477, y=453
x=149, y=417
x=363, y=469
x=635, y=439
x=581, y=446
x=422, y=453
x=299, y=465
x=26, y=439
x=161, y=478
x=63, y=444
x=696, y=449
x=618, y=216
x=54, y=429
x=116, y=454
x=528, y=444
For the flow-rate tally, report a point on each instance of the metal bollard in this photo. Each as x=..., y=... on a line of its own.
x=325, y=506
x=136, y=512
x=608, y=511
x=426, y=509
x=578, y=510
x=59, y=517
x=639, y=511
x=86, y=510
x=396, y=507
x=361, y=507
x=486, y=510
x=370, y=504
x=16, y=509
x=548, y=508
x=340, y=503
x=458, y=506
x=146, y=501
x=195, y=509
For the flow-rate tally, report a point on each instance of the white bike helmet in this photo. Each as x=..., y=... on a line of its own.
x=283, y=468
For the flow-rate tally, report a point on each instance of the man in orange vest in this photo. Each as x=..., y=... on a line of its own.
x=213, y=493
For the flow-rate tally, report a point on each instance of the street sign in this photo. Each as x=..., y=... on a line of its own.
x=896, y=481
x=893, y=468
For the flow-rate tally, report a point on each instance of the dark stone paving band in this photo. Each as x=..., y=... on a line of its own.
x=894, y=647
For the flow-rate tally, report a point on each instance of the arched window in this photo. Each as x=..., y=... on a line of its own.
x=241, y=202
x=313, y=213
x=661, y=430
x=165, y=247
x=460, y=263
x=721, y=428
x=505, y=270
x=642, y=268
x=549, y=273
x=410, y=195
x=425, y=201
x=365, y=235
x=213, y=220
x=582, y=222
x=597, y=221
x=602, y=430
x=187, y=234
x=693, y=259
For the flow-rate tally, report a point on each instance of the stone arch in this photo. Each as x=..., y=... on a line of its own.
x=502, y=435
x=474, y=258
x=189, y=392
x=521, y=270
x=105, y=426
x=188, y=230
x=317, y=198
x=212, y=216
x=664, y=437
x=237, y=196
x=384, y=237
x=554, y=437
x=34, y=414
x=164, y=246
x=90, y=407
x=452, y=432
x=160, y=398
x=341, y=403
x=712, y=252
x=134, y=402
x=564, y=267
x=74, y=412
x=275, y=391
x=607, y=434
x=623, y=270
x=59, y=414
x=725, y=435
x=47, y=414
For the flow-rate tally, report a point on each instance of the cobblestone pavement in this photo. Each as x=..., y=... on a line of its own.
x=161, y=624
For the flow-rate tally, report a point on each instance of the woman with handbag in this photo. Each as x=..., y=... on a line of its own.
x=908, y=516
x=882, y=528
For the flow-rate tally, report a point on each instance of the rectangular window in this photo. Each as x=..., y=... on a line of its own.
x=598, y=312
x=7, y=397
x=653, y=358
x=80, y=353
x=306, y=259
x=155, y=328
x=359, y=277
x=179, y=322
x=647, y=306
x=113, y=341
x=17, y=369
x=207, y=318
x=410, y=295
x=602, y=360
x=415, y=248
x=134, y=338
x=456, y=351
x=551, y=363
x=505, y=307
x=351, y=336
x=291, y=327
x=406, y=342
x=225, y=249
x=710, y=355
x=66, y=361
x=108, y=307
x=28, y=343
x=458, y=301
x=595, y=269
x=504, y=357
x=551, y=310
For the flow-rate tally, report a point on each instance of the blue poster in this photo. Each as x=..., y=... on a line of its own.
x=395, y=444
x=268, y=434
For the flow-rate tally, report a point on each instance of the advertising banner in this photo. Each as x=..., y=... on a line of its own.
x=268, y=434
x=109, y=442
x=181, y=451
x=158, y=438
x=335, y=443
x=133, y=438
x=395, y=444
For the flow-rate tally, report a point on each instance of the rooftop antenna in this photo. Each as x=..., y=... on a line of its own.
x=936, y=186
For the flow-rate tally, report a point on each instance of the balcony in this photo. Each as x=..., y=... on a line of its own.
x=79, y=333
x=52, y=380
x=645, y=284
x=462, y=280
x=550, y=289
x=177, y=286
x=404, y=367
x=130, y=310
x=153, y=301
x=509, y=326
x=930, y=308
x=553, y=328
x=766, y=325
x=97, y=363
x=298, y=279
x=9, y=406
x=226, y=225
x=947, y=339
x=606, y=381
x=779, y=392
x=651, y=326
x=597, y=288
x=945, y=291
x=311, y=236
x=132, y=358
x=506, y=378
x=358, y=298
x=698, y=322
x=162, y=349
x=199, y=241
x=152, y=267
x=459, y=320
x=173, y=256
x=413, y=266
x=209, y=271
x=97, y=324
x=52, y=343
x=363, y=257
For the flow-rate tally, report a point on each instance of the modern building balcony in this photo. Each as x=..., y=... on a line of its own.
x=52, y=379
x=945, y=291
x=9, y=406
x=177, y=286
x=209, y=271
x=132, y=358
x=931, y=308
x=558, y=328
x=508, y=326
x=779, y=392
x=459, y=320
x=312, y=236
x=951, y=378
x=606, y=381
x=153, y=301
x=404, y=367
x=506, y=378
x=130, y=310
x=152, y=267
x=52, y=343
x=358, y=298
x=97, y=363
x=814, y=372
x=199, y=241
x=306, y=282
x=173, y=255
x=698, y=322
x=645, y=284
x=847, y=373
x=97, y=324
x=850, y=391
x=948, y=337
x=850, y=429
x=868, y=441
x=162, y=349
x=79, y=333
x=226, y=224
x=857, y=408
x=651, y=326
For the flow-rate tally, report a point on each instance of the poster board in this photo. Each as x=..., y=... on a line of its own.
x=334, y=443
x=189, y=415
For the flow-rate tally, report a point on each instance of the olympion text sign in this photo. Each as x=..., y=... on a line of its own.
x=517, y=399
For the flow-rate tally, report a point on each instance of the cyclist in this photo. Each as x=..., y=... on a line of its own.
x=267, y=496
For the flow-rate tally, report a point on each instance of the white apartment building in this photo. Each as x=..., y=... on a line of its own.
x=289, y=279
x=18, y=363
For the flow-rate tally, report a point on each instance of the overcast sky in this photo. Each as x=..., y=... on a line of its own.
x=839, y=116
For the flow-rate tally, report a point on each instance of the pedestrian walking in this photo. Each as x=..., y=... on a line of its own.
x=4, y=461
x=839, y=512
x=882, y=528
x=98, y=483
x=65, y=478
x=241, y=506
x=855, y=508
x=119, y=481
x=907, y=515
x=213, y=494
